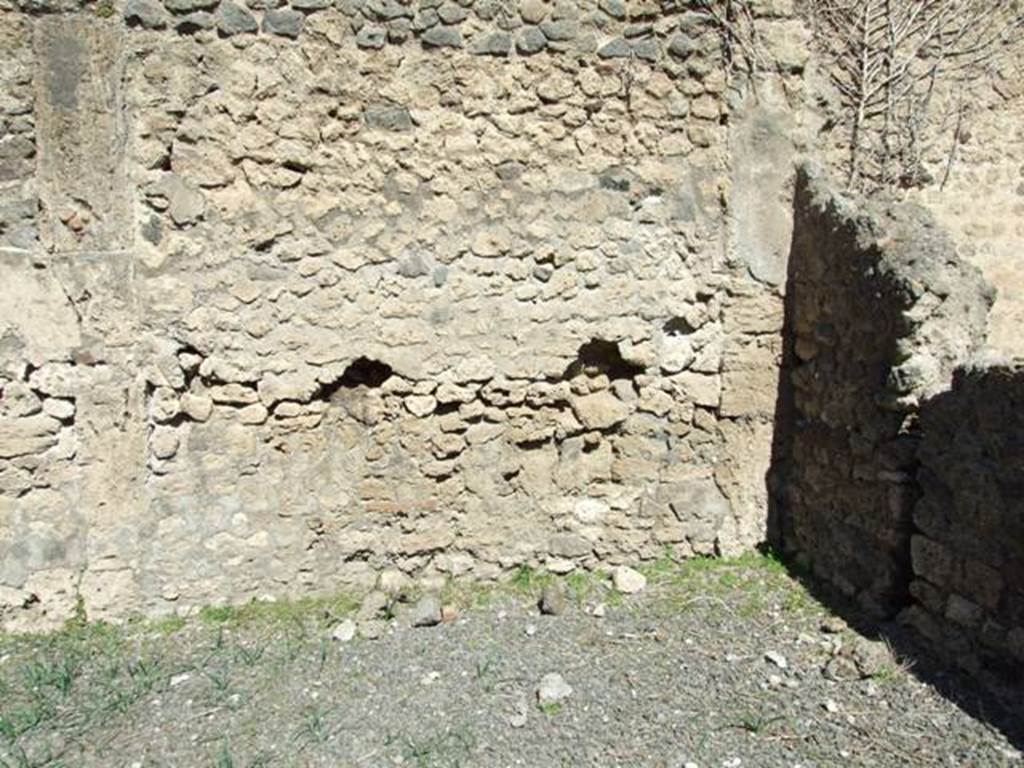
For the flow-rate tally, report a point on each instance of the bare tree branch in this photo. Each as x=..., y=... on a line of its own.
x=889, y=58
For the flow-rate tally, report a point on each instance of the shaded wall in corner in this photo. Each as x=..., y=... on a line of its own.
x=968, y=549
x=879, y=310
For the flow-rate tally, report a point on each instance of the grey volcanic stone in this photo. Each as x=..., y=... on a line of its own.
x=451, y=13
x=692, y=22
x=559, y=30
x=195, y=22
x=442, y=37
x=426, y=19
x=552, y=600
x=188, y=6
x=614, y=8
x=233, y=19
x=569, y=545
x=637, y=30
x=285, y=22
x=531, y=41
x=647, y=49
x=399, y=31
x=543, y=272
x=145, y=13
x=617, y=48
x=386, y=10
x=495, y=44
x=310, y=5
x=682, y=46
x=510, y=171
x=388, y=117
x=487, y=9
x=426, y=612
x=371, y=37
x=413, y=266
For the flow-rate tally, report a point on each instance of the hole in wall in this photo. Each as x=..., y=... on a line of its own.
x=599, y=356
x=350, y=390
x=296, y=166
x=615, y=179
x=534, y=445
x=678, y=326
x=364, y=372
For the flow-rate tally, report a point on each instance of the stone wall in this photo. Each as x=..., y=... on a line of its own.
x=981, y=203
x=899, y=436
x=299, y=295
x=879, y=310
x=967, y=553
x=295, y=294
x=18, y=200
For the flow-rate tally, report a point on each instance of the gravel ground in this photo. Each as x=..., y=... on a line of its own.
x=712, y=664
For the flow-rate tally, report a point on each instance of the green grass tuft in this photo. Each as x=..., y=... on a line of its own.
x=530, y=581
x=168, y=626
x=315, y=611
x=223, y=758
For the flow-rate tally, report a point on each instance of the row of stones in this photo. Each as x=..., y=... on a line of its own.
x=537, y=27
x=30, y=422
x=529, y=411
x=36, y=429
x=185, y=203
x=601, y=429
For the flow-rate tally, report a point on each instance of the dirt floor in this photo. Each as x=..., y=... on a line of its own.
x=721, y=664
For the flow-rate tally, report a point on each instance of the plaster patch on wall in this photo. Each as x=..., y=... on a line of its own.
x=83, y=188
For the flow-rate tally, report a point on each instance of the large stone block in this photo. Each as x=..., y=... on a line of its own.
x=81, y=134
x=38, y=321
